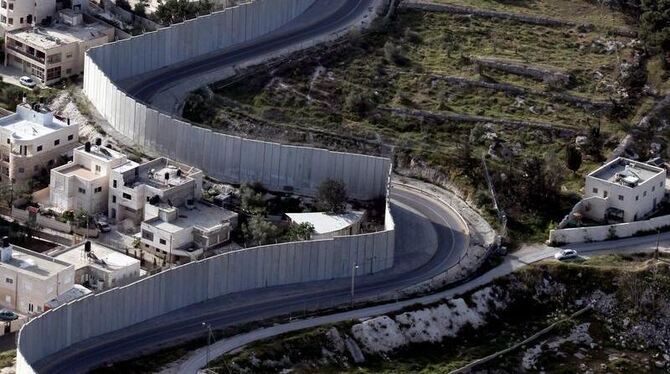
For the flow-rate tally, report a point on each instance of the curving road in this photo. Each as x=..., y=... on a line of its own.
x=322, y=18
x=430, y=237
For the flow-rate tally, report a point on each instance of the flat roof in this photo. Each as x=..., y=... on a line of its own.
x=28, y=124
x=111, y=259
x=102, y=153
x=626, y=172
x=202, y=216
x=77, y=170
x=33, y=263
x=130, y=165
x=325, y=223
x=76, y=292
x=60, y=34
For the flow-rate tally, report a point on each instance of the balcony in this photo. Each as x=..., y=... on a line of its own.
x=26, y=54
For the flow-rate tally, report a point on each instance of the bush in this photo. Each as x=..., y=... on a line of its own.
x=395, y=54
x=356, y=103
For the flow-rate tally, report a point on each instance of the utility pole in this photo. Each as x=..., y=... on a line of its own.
x=354, y=267
x=209, y=342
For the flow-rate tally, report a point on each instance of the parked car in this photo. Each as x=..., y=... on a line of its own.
x=27, y=81
x=104, y=227
x=7, y=315
x=566, y=254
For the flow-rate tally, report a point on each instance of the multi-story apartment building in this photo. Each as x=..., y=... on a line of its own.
x=33, y=139
x=55, y=52
x=179, y=235
x=624, y=190
x=133, y=185
x=84, y=182
x=29, y=280
x=18, y=14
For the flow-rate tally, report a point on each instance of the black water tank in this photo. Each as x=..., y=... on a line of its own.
x=87, y=246
x=5, y=241
x=87, y=147
x=98, y=142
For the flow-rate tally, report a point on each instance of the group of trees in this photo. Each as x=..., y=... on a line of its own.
x=257, y=230
x=655, y=25
x=174, y=11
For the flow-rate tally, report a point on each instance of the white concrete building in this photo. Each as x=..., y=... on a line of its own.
x=33, y=139
x=29, y=280
x=57, y=51
x=180, y=235
x=99, y=267
x=18, y=14
x=84, y=182
x=330, y=225
x=623, y=190
x=160, y=180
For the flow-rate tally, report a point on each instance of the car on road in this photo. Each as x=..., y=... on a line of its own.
x=566, y=254
x=8, y=315
x=27, y=81
x=104, y=227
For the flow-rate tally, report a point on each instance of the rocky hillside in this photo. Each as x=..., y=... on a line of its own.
x=624, y=327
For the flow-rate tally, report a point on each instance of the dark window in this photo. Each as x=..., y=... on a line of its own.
x=57, y=142
x=621, y=197
x=9, y=280
x=70, y=137
x=97, y=189
x=148, y=235
x=595, y=190
x=113, y=198
x=114, y=183
x=127, y=196
x=163, y=241
x=39, y=148
x=82, y=190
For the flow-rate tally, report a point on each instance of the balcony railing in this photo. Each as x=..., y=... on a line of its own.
x=26, y=54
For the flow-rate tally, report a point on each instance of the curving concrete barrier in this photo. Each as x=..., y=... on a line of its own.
x=228, y=158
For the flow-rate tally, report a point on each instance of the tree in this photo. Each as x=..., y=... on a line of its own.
x=298, y=232
x=655, y=24
x=594, y=142
x=251, y=199
x=258, y=231
x=140, y=8
x=573, y=158
x=332, y=196
x=173, y=11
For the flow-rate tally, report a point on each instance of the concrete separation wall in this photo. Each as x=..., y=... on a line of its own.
x=607, y=232
x=229, y=158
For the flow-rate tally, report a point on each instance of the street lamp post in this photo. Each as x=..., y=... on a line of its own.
x=353, y=281
x=209, y=342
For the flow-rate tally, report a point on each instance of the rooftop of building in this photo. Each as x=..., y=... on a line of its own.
x=103, y=258
x=71, y=169
x=33, y=264
x=59, y=33
x=100, y=152
x=74, y=293
x=202, y=216
x=325, y=223
x=161, y=173
x=31, y=122
x=626, y=172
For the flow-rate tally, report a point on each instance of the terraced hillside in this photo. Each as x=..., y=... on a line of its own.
x=445, y=88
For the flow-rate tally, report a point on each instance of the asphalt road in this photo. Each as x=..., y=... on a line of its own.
x=425, y=229
x=322, y=18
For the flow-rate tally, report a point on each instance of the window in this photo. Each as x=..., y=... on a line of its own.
x=70, y=137
x=9, y=280
x=620, y=197
x=57, y=142
x=127, y=196
x=114, y=183
x=644, y=193
x=98, y=168
x=595, y=190
x=21, y=170
x=30, y=307
x=605, y=194
x=11, y=21
x=162, y=241
x=39, y=148
x=50, y=163
x=82, y=190
x=637, y=197
x=113, y=199
x=653, y=188
x=148, y=235
x=97, y=189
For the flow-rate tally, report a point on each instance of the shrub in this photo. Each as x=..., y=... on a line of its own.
x=395, y=54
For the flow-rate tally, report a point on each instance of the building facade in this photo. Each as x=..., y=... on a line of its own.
x=31, y=142
x=18, y=14
x=624, y=190
x=133, y=185
x=55, y=52
x=29, y=280
x=83, y=184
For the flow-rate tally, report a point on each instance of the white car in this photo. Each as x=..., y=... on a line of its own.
x=566, y=254
x=27, y=81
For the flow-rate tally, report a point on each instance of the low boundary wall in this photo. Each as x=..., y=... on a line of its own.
x=607, y=232
x=228, y=158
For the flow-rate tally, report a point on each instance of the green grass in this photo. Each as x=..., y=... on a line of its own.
x=7, y=358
